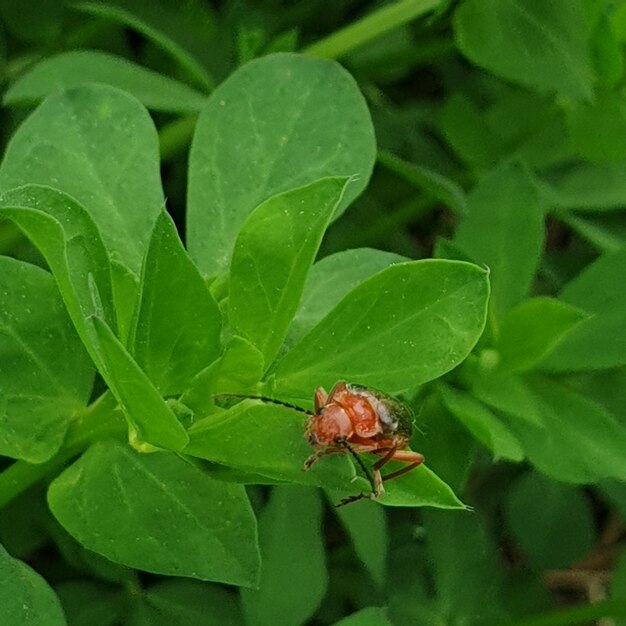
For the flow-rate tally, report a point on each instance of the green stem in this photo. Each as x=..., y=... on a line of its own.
x=100, y=420
x=370, y=27
x=176, y=136
x=575, y=615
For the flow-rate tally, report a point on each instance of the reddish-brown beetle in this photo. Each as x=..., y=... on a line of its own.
x=355, y=419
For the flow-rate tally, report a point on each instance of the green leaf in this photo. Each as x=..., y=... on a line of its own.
x=419, y=487
x=172, y=289
x=157, y=513
x=504, y=392
x=541, y=45
x=240, y=367
x=458, y=544
x=292, y=138
x=406, y=325
x=273, y=253
x=45, y=373
x=532, y=329
x=366, y=524
x=25, y=597
x=597, y=130
x=87, y=603
x=70, y=242
x=150, y=419
x=371, y=616
x=482, y=423
x=599, y=341
x=578, y=441
x=330, y=280
x=99, y=145
x=588, y=187
x=465, y=128
x=268, y=440
x=187, y=603
x=294, y=578
x=71, y=69
x=551, y=521
x=504, y=230
x=183, y=31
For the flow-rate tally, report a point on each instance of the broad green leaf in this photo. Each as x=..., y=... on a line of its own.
x=99, y=145
x=371, y=616
x=252, y=142
x=532, y=329
x=551, y=521
x=71, y=69
x=599, y=341
x=404, y=326
x=273, y=253
x=432, y=183
x=597, y=130
x=465, y=128
x=504, y=392
x=240, y=367
x=504, y=230
x=70, y=242
x=578, y=442
x=177, y=332
x=366, y=524
x=237, y=371
x=88, y=603
x=158, y=513
x=187, y=603
x=25, y=597
x=588, y=187
x=541, y=45
x=269, y=440
x=330, y=280
x=45, y=373
x=183, y=31
x=419, y=487
x=151, y=420
x=459, y=544
x=294, y=577
x=482, y=423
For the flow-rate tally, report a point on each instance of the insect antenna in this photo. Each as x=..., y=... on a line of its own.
x=238, y=396
x=359, y=461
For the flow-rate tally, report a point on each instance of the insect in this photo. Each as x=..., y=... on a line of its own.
x=353, y=419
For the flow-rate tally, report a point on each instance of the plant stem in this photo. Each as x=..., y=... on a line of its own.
x=100, y=420
x=369, y=27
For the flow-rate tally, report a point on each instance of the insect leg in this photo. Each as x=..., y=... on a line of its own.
x=378, y=479
x=321, y=453
x=405, y=456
